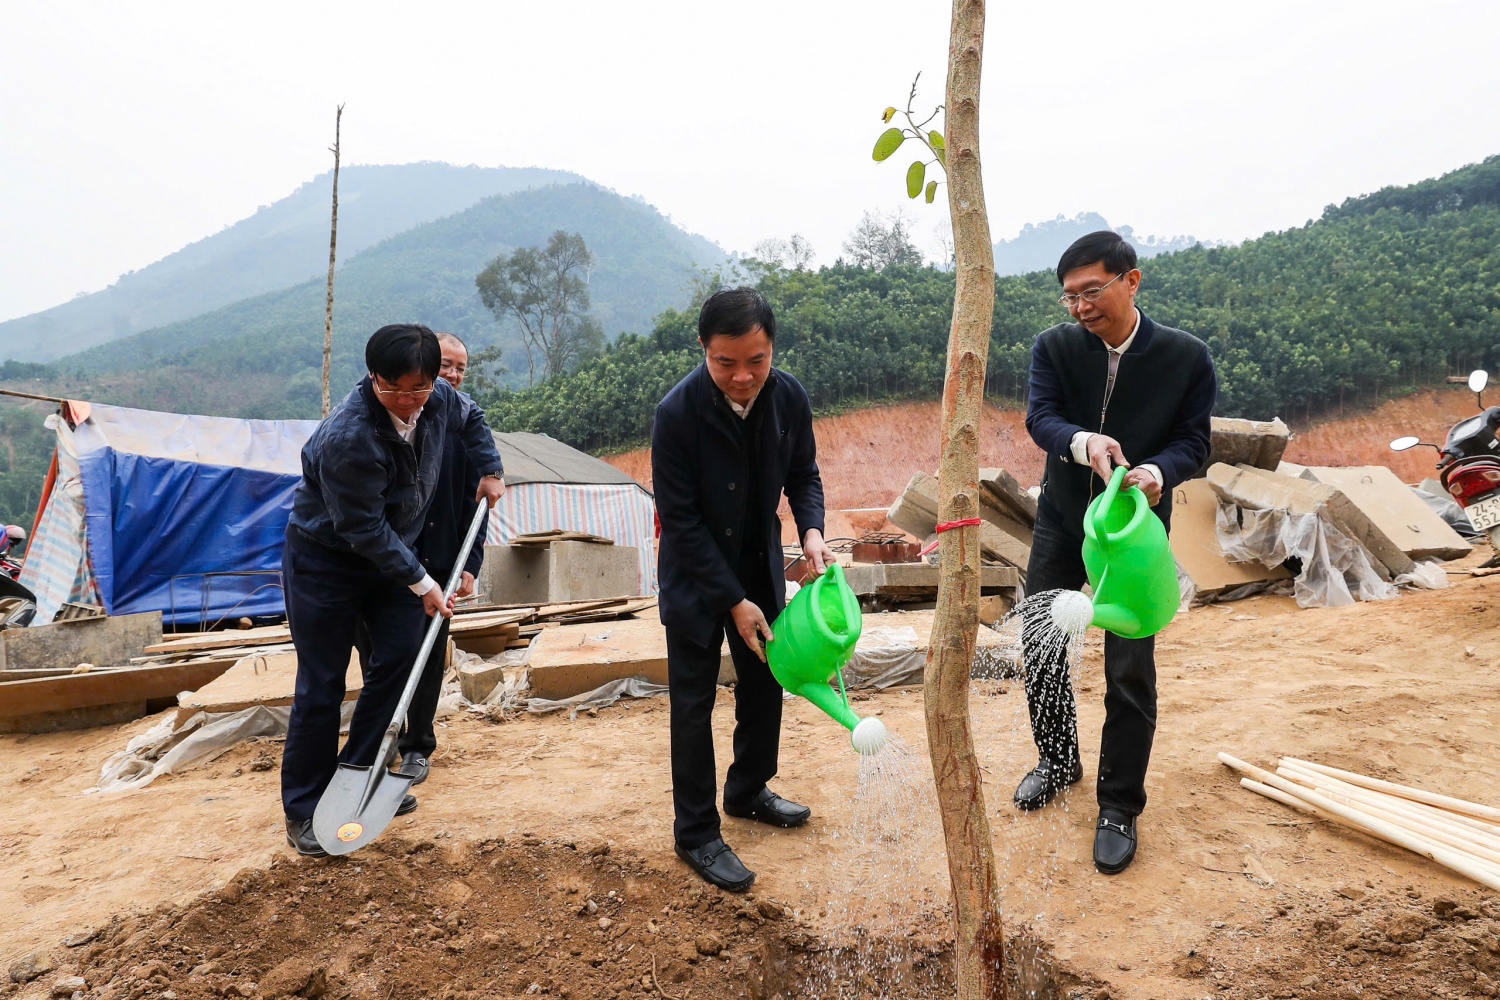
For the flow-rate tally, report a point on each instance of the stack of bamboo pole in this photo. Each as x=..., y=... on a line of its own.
x=1459, y=835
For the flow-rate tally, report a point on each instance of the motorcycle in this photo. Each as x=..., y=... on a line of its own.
x=1469, y=462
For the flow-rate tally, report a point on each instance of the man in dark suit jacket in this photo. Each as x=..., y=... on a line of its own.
x=728, y=440
x=1111, y=389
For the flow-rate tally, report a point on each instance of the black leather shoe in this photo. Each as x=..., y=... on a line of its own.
x=408, y=805
x=765, y=806
x=1043, y=782
x=299, y=834
x=414, y=766
x=1114, y=842
x=718, y=865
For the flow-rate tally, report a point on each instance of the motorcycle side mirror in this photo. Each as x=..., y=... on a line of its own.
x=1405, y=443
x=1478, y=379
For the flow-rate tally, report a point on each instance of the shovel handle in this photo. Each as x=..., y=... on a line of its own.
x=393, y=731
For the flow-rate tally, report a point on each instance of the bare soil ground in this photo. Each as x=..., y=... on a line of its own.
x=500, y=884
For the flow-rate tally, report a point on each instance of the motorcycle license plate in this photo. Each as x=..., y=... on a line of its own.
x=1485, y=514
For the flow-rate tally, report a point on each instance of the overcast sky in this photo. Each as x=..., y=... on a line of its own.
x=128, y=130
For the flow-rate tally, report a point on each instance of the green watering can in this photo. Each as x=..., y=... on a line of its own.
x=1130, y=566
x=815, y=637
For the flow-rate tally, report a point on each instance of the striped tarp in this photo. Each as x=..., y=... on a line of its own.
x=57, y=567
x=624, y=513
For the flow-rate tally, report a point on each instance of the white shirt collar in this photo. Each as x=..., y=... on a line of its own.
x=406, y=430
x=1128, y=340
x=741, y=411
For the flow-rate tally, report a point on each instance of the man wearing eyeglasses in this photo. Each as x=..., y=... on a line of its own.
x=368, y=476
x=453, y=506
x=1112, y=388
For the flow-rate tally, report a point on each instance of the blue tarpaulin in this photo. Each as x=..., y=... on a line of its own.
x=186, y=514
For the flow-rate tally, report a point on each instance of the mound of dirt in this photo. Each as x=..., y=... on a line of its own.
x=489, y=919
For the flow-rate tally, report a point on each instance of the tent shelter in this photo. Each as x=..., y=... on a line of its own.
x=148, y=511
x=165, y=512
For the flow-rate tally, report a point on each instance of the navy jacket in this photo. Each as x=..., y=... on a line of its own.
x=1159, y=409
x=365, y=490
x=448, y=518
x=698, y=469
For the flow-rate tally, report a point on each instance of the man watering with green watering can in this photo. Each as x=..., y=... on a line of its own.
x=1112, y=389
x=727, y=442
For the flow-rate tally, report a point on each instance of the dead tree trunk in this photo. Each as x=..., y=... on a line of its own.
x=979, y=944
x=333, y=242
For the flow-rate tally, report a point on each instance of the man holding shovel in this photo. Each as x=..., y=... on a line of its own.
x=727, y=442
x=368, y=475
x=1113, y=388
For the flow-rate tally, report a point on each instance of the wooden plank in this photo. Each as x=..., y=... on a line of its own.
x=542, y=539
x=487, y=622
x=105, y=687
x=222, y=639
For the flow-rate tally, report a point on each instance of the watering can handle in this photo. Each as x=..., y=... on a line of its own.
x=1107, y=499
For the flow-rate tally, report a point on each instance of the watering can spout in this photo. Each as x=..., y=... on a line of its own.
x=815, y=637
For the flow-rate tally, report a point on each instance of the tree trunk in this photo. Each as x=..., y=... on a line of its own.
x=333, y=242
x=979, y=943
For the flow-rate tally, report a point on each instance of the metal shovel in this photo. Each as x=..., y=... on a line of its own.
x=360, y=802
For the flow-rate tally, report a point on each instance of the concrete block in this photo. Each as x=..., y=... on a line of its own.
x=105, y=642
x=1258, y=489
x=917, y=579
x=477, y=680
x=1259, y=443
x=562, y=571
x=1395, y=510
x=1010, y=495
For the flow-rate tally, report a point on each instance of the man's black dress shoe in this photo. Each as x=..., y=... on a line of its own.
x=414, y=766
x=299, y=834
x=1114, y=841
x=717, y=864
x=765, y=806
x=408, y=805
x=1043, y=782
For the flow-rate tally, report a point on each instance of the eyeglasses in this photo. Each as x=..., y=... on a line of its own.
x=1070, y=299
x=412, y=394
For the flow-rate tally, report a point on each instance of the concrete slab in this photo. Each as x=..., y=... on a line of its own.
x=1392, y=507
x=1258, y=443
x=1010, y=495
x=105, y=642
x=1258, y=489
x=916, y=511
x=1195, y=543
x=918, y=579
x=571, y=659
x=257, y=680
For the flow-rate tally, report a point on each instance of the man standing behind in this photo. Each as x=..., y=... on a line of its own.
x=1114, y=388
x=453, y=506
x=367, y=478
x=728, y=440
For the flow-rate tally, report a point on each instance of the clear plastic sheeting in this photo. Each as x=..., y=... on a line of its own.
x=1427, y=574
x=164, y=750
x=1335, y=569
x=601, y=697
x=885, y=657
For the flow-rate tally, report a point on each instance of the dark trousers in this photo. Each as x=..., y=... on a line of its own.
x=327, y=593
x=692, y=676
x=1129, y=680
x=417, y=732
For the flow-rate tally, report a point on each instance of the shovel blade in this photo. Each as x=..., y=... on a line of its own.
x=348, y=817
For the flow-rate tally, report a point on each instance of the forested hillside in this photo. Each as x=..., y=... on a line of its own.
x=282, y=244
x=263, y=357
x=1382, y=294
